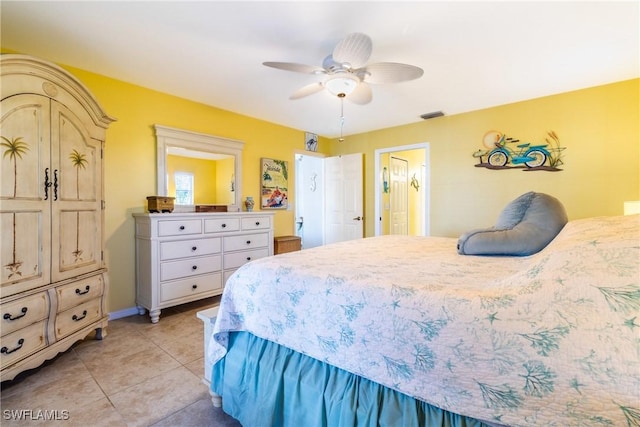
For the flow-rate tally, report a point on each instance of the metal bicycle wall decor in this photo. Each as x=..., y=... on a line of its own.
x=502, y=152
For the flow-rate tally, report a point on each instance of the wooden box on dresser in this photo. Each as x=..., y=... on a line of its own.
x=53, y=282
x=183, y=257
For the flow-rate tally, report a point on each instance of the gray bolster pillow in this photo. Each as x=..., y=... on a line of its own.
x=524, y=227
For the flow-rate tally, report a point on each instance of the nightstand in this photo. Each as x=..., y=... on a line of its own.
x=284, y=244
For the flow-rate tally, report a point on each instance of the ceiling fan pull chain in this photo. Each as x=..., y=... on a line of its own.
x=341, y=139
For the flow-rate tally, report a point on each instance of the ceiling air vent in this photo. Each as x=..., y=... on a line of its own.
x=427, y=116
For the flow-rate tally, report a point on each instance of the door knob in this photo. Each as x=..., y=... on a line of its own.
x=358, y=218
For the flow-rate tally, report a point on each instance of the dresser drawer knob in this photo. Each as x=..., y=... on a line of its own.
x=7, y=316
x=223, y=225
x=194, y=248
x=5, y=350
x=194, y=267
x=86, y=290
x=257, y=223
x=248, y=258
x=248, y=242
x=77, y=319
x=194, y=287
x=181, y=228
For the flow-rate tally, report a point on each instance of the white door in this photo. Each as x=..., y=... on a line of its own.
x=344, y=212
x=309, y=198
x=399, y=191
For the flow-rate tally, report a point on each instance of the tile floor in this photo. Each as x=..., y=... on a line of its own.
x=140, y=374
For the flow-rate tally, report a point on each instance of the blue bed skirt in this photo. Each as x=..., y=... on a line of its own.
x=263, y=384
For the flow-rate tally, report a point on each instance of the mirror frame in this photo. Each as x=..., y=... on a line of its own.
x=171, y=137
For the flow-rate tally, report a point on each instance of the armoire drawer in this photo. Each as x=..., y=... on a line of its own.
x=246, y=241
x=78, y=292
x=23, y=312
x=22, y=343
x=217, y=225
x=236, y=259
x=76, y=318
x=190, y=287
x=189, y=248
x=179, y=227
x=256, y=223
x=190, y=267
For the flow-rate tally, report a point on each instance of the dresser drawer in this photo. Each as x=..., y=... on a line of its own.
x=190, y=287
x=256, y=223
x=179, y=227
x=22, y=343
x=190, y=267
x=236, y=259
x=189, y=248
x=246, y=241
x=76, y=318
x=217, y=225
x=78, y=292
x=23, y=312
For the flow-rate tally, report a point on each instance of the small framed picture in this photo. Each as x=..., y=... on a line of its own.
x=311, y=141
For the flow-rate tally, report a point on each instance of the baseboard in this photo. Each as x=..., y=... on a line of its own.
x=123, y=313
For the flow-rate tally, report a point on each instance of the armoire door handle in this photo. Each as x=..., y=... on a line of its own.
x=55, y=184
x=47, y=184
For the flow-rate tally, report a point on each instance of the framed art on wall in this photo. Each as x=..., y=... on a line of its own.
x=275, y=186
x=311, y=141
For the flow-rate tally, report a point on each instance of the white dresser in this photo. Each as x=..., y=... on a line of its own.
x=183, y=257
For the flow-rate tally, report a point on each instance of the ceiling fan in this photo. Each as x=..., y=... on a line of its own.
x=346, y=73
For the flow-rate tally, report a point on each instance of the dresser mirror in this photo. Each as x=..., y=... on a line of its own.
x=214, y=164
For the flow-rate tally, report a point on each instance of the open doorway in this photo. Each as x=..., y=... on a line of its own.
x=309, y=199
x=329, y=202
x=413, y=198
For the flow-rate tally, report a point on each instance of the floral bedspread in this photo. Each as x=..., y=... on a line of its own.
x=549, y=339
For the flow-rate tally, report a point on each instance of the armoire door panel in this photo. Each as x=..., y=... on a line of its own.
x=24, y=194
x=79, y=248
x=76, y=208
x=24, y=158
x=23, y=266
x=76, y=157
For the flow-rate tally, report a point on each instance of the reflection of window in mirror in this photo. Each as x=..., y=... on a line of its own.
x=184, y=188
x=204, y=172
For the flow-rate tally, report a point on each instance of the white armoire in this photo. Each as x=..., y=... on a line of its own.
x=53, y=282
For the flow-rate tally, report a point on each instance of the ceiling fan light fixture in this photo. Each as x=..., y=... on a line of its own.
x=342, y=84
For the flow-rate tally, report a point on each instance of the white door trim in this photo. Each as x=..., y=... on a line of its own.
x=378, y=181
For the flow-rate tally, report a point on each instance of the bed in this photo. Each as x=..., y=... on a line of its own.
x=403, y=331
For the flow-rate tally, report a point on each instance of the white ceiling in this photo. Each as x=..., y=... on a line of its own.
x=474, y=54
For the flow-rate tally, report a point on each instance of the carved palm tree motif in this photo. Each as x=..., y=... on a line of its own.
x=14, y=149
x=79, y=161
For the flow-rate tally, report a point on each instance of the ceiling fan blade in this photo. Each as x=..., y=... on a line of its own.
x=390, y=72
x=307, y=90
x=361, y=94
x=298, y=68
x=355, y=50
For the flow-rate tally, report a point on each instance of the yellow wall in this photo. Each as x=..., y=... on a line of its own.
x=599, y=127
